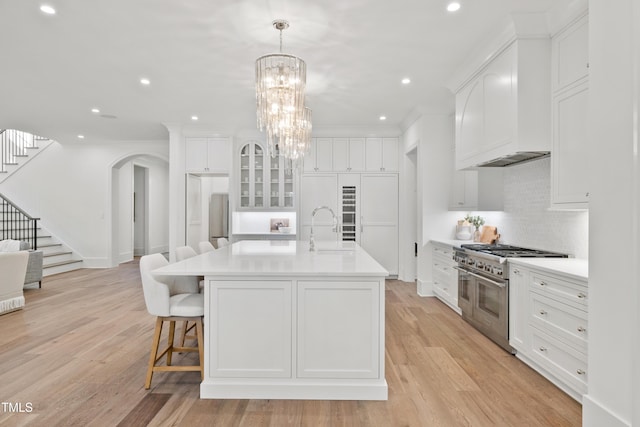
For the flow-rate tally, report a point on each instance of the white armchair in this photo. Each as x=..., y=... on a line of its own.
x=13, y=268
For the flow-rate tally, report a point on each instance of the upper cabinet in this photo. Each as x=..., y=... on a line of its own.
x=352, y=155
x=265, y=181
x=348, y=154
x=208, y=155
x=252, y=175
x=570, y=54
x=502, y=111
x=570, y=71
x=381, y=154
x=320, y=156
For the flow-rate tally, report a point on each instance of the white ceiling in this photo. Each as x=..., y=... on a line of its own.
x=200, y=55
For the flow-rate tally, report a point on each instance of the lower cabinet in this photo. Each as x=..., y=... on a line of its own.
x=548, y=325
x=445, y=276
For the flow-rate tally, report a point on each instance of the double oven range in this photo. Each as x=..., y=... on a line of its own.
x=483, y=286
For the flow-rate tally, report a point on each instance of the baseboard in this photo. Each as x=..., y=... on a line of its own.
x=159, y=249
x=594, y=414
x=424, y=289
x=96, y=263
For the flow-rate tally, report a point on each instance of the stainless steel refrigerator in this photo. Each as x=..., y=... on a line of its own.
x=218, y=217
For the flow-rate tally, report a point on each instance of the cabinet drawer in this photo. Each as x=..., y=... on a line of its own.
x=567, y=323
x=566, y=363
x=444, y=266
x=444, y=251
x=573, y=293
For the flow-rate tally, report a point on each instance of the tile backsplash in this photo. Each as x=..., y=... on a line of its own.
x=527, y=220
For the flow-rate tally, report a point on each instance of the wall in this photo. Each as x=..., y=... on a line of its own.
x=613, y=230
x=527, y=220
x=68, y=185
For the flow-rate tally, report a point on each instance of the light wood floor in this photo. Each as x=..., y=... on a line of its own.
x=78, y=353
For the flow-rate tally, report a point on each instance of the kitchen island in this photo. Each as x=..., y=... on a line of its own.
x=282, y=322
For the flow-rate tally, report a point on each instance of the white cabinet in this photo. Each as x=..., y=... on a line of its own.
x=208, y=155
x=252, y=175
x=281, y=183
x=318, y=190
x=504, y=108
x=480, y=190
x=445, y=276
x=570, y=54
x=379, y=218
x=569, y=173
x=342, y=342
x=320, y=156
x=251, y=348
x=348, y=154
x=367, y=209
x=548, y=325
x=381, y=154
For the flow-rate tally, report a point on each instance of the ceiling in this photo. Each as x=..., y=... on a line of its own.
x=200, y=55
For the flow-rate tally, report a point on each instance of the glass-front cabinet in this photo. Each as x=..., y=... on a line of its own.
x=252, y=177
x=265, y=181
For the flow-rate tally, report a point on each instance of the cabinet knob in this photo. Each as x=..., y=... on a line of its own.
x=542, y=284
x=581, y=329
x=542, y=312
x=580, y=372
x=586, y=194
x=516, y=271
x=543, y=349
x=581, y=295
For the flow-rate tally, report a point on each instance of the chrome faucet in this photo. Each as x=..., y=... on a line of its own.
x=312, y=243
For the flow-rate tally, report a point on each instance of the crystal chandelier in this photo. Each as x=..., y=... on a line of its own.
x=280, y=91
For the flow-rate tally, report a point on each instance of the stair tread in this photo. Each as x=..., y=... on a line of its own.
x=57, y=264
x=51, y=254
x=48, y=245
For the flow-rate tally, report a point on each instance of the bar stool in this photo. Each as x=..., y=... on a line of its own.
x=206, y=246
x=182, y=253
x=168, y=301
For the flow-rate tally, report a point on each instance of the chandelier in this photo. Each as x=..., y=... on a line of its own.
x=280, y=91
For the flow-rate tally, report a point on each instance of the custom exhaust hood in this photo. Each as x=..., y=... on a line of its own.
x=503, y=98
x=514, y=159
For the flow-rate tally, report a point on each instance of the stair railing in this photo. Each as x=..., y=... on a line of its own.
x=14, y=144
x=16, y=224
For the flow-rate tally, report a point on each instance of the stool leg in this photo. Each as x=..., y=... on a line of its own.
x=154, y=352
x=185, y=328
x=172, y=331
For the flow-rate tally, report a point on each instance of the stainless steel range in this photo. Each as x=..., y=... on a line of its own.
x=483, y=286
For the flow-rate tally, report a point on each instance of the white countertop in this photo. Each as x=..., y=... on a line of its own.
x=279, y=258
x=452, y=242
x=571, y=267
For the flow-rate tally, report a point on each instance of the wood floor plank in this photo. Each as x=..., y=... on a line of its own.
x=79, y=349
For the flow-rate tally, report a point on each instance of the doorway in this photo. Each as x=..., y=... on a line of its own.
x=140, y=211
x=207, y=209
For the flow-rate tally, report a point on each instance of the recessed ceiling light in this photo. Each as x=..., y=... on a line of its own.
x=194, y=118
x=145, y=81
x=80, y=136
x=383, y=117
x=95, y=110
x=406, y=81
x=453, y=6
x=47, y=9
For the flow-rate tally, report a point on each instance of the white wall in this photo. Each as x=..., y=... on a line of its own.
x=69, y=187
x=613, y=230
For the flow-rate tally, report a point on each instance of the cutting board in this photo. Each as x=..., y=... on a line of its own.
x=489, y=234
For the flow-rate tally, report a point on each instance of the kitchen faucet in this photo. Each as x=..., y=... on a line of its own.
x=312, y=243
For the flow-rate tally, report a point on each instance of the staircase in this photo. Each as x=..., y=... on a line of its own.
x=16, y=149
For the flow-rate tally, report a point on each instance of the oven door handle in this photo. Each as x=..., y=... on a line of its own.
x=498, y=284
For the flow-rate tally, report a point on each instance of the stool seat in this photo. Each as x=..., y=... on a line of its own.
x=186, y=305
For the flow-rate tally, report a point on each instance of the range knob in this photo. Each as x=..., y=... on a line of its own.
x=480, y=265
x=471, y=262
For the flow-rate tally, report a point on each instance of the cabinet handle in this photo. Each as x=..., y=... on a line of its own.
x=516, y=271
x=543, y=349
x=460, y=203
x=580, y=372
x=543, y=313
x=581, y=329
x=581, y=295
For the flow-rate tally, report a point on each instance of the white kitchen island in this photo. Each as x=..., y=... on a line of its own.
x=282, y=322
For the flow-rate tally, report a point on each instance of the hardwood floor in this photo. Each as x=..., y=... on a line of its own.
x=77, y=354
